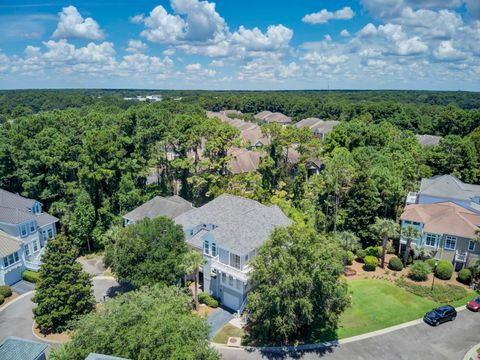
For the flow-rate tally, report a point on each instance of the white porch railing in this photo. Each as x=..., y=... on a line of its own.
x=32, y=265
x=461, y=256
x=241, y=275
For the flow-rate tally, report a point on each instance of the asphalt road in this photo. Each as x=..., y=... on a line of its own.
x=449, y=341
x=16, y=318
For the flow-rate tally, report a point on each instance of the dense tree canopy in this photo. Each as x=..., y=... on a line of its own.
x=148, y=324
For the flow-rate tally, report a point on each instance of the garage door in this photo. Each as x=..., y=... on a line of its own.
x=230, y=301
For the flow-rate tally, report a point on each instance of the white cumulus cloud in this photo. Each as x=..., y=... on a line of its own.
x=324, y=16
x=73, y=25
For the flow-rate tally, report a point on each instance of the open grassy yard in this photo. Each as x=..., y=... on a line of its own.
x=377, y=304
x=227, y=331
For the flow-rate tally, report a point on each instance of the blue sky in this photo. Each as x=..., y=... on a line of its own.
x=225, y=44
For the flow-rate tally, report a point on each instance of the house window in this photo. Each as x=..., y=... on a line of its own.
x=11, y=259
x=32, y=227
x=230, y=280
x=450, y=242
x=471, y=245
x=416, y=223
x=50, y=233
x=26, y=249
x=407, y=222
x=206, y=247
x=238, y=284
x=35, y=246
x=431, y=240
x=214, y=249
x=23, y=230
x=224, y=278
x=235, y=261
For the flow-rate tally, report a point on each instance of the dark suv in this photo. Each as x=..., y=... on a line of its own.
x=440, y=315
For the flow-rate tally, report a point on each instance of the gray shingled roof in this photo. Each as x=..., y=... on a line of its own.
x=94, y=356
x=428, y=140
x=11, y=200
x=270, y=117
x=8, y=244
x=242, y=224
x=317, y=125
x=13, y=348
x=448, y=186
x=243, y=160
x=45, y=219
x=169, y=207
x=14, y=215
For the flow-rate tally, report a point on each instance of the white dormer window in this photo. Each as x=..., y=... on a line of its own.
x=23, y=230
x=32, y=227
x=214, y=249
x=206, y=247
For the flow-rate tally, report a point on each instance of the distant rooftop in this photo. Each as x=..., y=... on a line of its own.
x=449, y=186
x=169, y=207
x=14, y=348
x=94, y=356
x=276, y=117
x=318, y=126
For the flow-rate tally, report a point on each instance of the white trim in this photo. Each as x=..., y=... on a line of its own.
x=450, y=237
x=474, y=245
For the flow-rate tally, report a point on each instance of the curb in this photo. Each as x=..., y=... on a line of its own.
x=16, y=299
x=327, y=344
x=472, y=353
x=43, y=339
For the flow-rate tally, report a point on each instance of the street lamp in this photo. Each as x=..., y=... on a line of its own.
x=434, y=271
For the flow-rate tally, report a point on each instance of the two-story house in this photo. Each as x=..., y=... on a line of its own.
x=228, y=230
x=442, y=188
x=447, y=229
x=24, y=220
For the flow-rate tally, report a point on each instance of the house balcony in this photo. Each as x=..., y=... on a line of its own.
x=461, y=256
x=241, y=275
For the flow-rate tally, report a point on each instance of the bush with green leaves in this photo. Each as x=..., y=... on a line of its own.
x=371, y=263
x=419, y=271
x=441, y=293
x=361, y=253
x=350, y=258
x=395, y=264
x=390, y=248
x=30, y=276
x=5, y=291
x=444, y=270
x=464, y=276
x=431, y=263
x=207, y=299
x=2, y=299
x=374, y=251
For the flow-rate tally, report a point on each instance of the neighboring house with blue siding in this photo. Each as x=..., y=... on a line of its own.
x=24, y=220
x=13, y=261
x=228, y=231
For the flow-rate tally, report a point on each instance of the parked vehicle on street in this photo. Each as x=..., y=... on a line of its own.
x=474, y=304
x=440, y=315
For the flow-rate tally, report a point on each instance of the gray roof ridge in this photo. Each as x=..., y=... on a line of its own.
x=18, y=195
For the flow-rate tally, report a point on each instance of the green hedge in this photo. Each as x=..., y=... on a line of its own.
x=5, y=291
x=361, y=254
x=395, y=264
x=350, y=258
x=444, y=270
x=464, y=276
x=419, y=271
x=374, y=251
x=2, y=299
x=208, y=300
x=371, y=263
x=431, y=263
x=441, y=293
x=30, y=276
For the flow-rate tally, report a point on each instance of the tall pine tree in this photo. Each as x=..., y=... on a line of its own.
x=64, y=291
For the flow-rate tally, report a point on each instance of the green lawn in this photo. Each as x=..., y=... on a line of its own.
x=377, y=304
x=227, y=331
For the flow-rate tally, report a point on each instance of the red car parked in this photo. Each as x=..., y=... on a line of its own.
x=474, y=305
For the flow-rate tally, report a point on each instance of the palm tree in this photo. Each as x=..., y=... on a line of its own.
x=385, y=229
x=410, y=233
x=191, y=262
x=348, y=241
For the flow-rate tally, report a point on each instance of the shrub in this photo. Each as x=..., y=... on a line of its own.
x=390, y=248
x=464, y=276
x=361, y=254
x=431, y=263
x=30, y=276
x=440, y=293
x=5, y=291
x=350, y=258
x=371, y=263
x=395, y=264
x=444, y=270
x=208, y=300
x=410, y=257
x=419, y=271
x=374, y=251
x=2, y=299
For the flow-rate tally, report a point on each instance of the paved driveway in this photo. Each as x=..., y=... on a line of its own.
x=93, y=266
x=16, y=318
x=22, y=287
x=218, y=319
x=449, y=341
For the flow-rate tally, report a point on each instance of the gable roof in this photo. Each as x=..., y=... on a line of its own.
x=318, y=126
x=14, y=215
x=8, y=244
x=244, y=160
x=428, y=140
x=270, y=117
x=444, y=218
x=14, y=348
x=169, y=207
x=448, y=186
x=241, y=224
x=15, y=201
